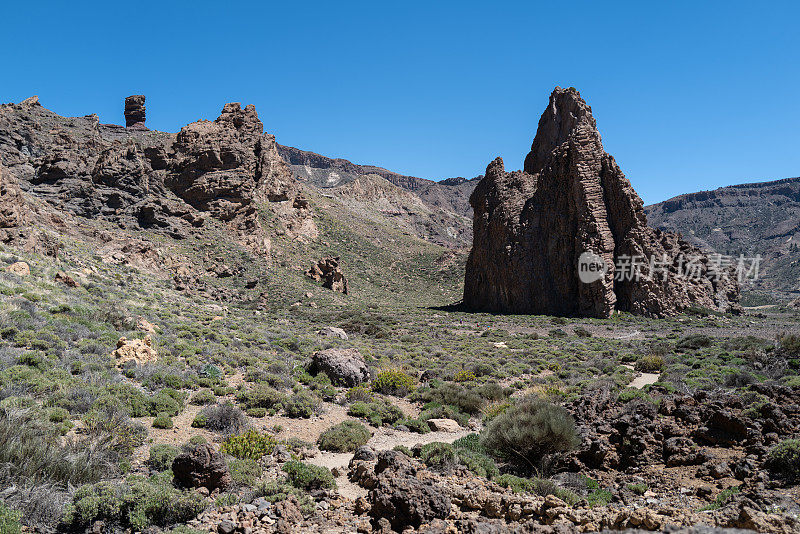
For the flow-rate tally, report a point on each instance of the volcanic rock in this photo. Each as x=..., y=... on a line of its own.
x=345, y=367
x=11, y=206
x=327, y=271
x=20, y=268
x=135, y=112
x=571, y=203
x=139, y=351
x=201, y=466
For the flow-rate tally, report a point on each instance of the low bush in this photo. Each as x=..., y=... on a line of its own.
x=344, y=437
x=783, y=460
x=693, y=342
x=276, y=491
x=161, y=456
x=537, y=486
x=203, y=397
x=250, y=445
x=377, y=413
x=301, y=405
x=308, y=477
x=245, y=471
x=466, y=400
x=649, y=363
x=136, y=503
x=260, y=396
x=9, y=520
x=359, y=393
x=163, y=421
x=223, y=418
x=529, y=431
x=393, y=382
x=464, y=376
x=790, y=345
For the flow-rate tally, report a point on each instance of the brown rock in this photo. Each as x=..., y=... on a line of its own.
x=201, y=466
x=20, y=268
x=140, y=351
x=65, y=279
x=135, y=112
x=531, y=228
x=444, y=425
x=327, y=271
x=12, y=206
x=345, y=367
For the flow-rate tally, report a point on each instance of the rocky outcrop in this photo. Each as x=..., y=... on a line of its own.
x=135, y=112
x=327, y=271
x=12, y=207
x=138, y=351
x=532, y=229
x=345, y=367
x=201, y=467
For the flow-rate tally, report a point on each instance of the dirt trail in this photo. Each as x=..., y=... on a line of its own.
x=643, y=379
x=383, y=439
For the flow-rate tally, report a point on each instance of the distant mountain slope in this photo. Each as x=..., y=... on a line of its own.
x=756, y=218
x=448, y=200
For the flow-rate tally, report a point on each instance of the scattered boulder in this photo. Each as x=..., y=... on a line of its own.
x=145, y=325
x=65, y=279
x=20, y=268
x=332, y=331
x=327, y=271
x=139, y=351
x=201, y=466
x=345, y=367
x=135, y=112
x=444, y=425
x=571, y=207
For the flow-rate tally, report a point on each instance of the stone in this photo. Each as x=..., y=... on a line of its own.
x=328, y=272
x=135, y=112
x=65, y=279
x=201, y=466
x=345, y=367
x=139, y=351
x=226, y=527
x=20, y=268
x=12, y=206
x=333, y=331
x=572, y=206
x=444, y=425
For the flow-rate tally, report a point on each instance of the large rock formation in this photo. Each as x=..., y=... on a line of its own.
x=12, y=209
x=135, y=111
x=531, y=228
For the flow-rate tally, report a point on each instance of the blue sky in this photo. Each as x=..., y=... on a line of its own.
x=687, y=95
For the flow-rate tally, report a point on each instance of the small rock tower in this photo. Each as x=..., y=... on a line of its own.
x=135, y=112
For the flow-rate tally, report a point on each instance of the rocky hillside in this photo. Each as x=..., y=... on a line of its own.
x=758, y=218
x=444, y=216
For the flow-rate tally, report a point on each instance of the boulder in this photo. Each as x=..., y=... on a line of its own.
x=548, y=239
x=65, y=279
x=20, y=268
x=139, y=351
x=345, y=367
x=332, y=331
x=327, y=271
x=444, y=425
x=201, y=466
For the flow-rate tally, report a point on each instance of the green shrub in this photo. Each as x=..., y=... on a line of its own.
x=161, y=456
x=136, y=503
x=203, y=397
x=581, y=332
x=434, y=410
x=260, y=396
x=344, y=437
x=245, y=471
x=464, y=376
x=377, y=413
x=723, y=497
x=466, y=400
x=693, y=342
x=529, y=431
x=162, y=421
x=638, y=489
x=309, y=477
x=790, y=345
x=783, y=459
x=649, y=363
x=257, y=412
x=537, y=486
x=276, y=491
x=414, y=425
x=494, y=409
x=393, y=382
x=301, y=405
x=9, y=520
x=250, y=445
x=405, y=450
x=629, y=394
x=224, y=418
x=359, y=393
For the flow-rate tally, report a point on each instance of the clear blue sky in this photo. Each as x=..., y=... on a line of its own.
x=687, y=95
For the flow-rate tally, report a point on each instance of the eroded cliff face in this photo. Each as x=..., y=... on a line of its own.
x=227, y=169
x=532, y=226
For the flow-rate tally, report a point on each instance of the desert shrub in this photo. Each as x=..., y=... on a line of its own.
x=275, y=491
x=467, y=400
x=439, y=455
x=377, y=413
x=723, y=497
x=466, y=452
x=494, y=409
x=783, y=459
x=581, y=332
x=434, y=410
x=256, y=412
x=537, y=486
x=9, y=520
x=161, y=456
x=629, y=394
x=492, y=391
x=529, y=431
x=746, y=344
x=245, y=471
x=123, y=434
x=260, y=396
x=301, y=405
x=136, y=503
x=464, y=376
x=693, y=342
x=414, y=425
x=250, y=445
x=203, y=397
x=393, y=382
x=638, y=489
x=344, y=437
x=308, y=477
x=649, y=363
x=790, y=345
x=223, y=418
x=162, y=421
x=405, y=450
x=359, y=393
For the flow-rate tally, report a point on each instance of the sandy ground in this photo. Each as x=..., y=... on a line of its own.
x=642, y=379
